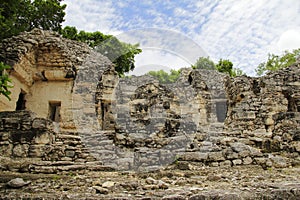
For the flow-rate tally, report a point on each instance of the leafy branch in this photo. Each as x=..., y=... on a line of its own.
x=5, y=81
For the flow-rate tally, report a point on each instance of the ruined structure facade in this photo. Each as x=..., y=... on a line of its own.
x=44, y=69
x=77, y=114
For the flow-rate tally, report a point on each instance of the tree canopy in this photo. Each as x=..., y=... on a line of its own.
x=23, y=15
x=165, y=77
x=275, y=62
x=204, y=63
x=224, y=66
x=120, y=53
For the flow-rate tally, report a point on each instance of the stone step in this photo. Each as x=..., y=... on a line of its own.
x=65, y=166
x=68, y=137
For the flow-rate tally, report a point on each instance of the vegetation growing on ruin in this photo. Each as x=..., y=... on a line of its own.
x=224, y=66
x=204, y=63
x=165, y=77
x=5, y=81
x=275, y=62
x=120, y=53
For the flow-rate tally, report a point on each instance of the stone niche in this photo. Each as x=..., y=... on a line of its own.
x=44, y=71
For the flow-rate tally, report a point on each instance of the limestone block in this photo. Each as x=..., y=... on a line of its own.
x=296, y=145
x=237, y=162
x=216, y=156
x=246, y=115
x=56, y=75
x=43, y=138
x=226, y=163
x=40, y=123
x=70, y=153
x=194, y=156
x=279, y=161
x=20, y=150
x=6, y=149
x=247, y=160
x=239, y=147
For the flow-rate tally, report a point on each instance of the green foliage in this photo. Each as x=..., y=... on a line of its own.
x=276, y=62
x=5, y=81
x=204, y=63
x=225, y=66
x=23, y=15
x=237, y=72
x=120, y=53
x=165, y=77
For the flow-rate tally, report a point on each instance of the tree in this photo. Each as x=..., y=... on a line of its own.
x=165, y=77
x=23, y=15
x=120, y=53
x=276, y=62
x=225, y=66
x=5, y=81
x=204, y=63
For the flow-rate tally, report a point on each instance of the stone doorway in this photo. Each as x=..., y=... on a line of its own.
x=21, y=103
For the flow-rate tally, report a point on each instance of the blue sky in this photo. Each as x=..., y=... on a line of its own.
x=174, y=34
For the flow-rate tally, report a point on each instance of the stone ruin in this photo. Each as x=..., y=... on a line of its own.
x=70, y=111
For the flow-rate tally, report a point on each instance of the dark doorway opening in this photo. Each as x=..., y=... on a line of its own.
x=54, y=111
x=221, y=108
x=20, y=105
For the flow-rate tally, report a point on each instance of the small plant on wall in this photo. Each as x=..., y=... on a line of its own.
x=5, y=81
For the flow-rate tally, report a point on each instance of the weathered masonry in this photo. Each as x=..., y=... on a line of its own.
x=44, y=68
x=70, y=111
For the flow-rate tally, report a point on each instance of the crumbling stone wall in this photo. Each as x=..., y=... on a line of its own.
x=24, y=135
x=264, y=112
x=32, y=144
x=45, y=70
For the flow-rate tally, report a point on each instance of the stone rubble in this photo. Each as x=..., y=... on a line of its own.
x=239, y=182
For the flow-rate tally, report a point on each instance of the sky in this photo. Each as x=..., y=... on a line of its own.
x=173, y=33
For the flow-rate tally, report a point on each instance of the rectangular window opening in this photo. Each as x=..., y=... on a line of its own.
x=221, y=108
x=54, y=110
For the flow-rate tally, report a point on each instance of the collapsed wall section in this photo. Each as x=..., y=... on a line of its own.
x=265, y=112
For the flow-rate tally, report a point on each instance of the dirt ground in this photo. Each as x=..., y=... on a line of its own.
x=195, y=182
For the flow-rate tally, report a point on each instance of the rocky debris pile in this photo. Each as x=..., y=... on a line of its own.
x=199, y=182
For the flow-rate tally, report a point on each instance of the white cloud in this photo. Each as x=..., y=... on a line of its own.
x=246, y=31
x=156, y=59
x=91, y=15
x=289, y=40
x=242, y=31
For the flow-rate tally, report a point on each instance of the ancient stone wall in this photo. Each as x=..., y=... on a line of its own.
x=265, y=113
x=32, y=144
x=45, y=70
